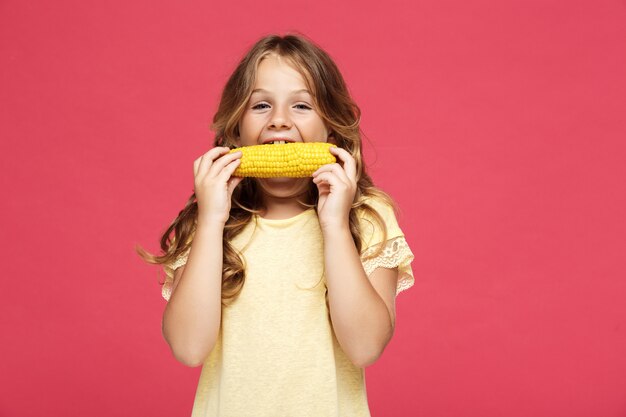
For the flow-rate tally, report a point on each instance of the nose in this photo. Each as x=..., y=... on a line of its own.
x=279, y=120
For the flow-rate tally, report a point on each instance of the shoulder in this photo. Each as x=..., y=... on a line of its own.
x=378, y=204
x=377, y=221
x=384, y=247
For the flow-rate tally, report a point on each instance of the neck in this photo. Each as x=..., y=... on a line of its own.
x=279, y=208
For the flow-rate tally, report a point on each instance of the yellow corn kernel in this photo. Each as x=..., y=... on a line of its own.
x=295, y=160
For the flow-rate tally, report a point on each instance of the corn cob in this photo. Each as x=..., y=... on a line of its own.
x=295, y=160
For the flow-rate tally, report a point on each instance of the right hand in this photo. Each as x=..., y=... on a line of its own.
x=213, y=184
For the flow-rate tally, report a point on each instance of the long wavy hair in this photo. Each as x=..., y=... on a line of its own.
x=334, y=105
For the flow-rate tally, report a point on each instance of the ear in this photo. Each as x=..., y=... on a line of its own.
x=331, y=137
x=237, y=140
x=222, y=142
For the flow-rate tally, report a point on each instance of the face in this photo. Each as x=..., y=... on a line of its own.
x=281, y=107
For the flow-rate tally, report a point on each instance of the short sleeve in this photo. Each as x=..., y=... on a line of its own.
x=396, y=251
x=169, y=269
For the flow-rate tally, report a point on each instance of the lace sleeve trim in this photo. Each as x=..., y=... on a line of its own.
x=166, y=290
x=180, y=261
x=396, y=253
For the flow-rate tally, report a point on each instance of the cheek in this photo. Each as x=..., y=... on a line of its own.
x=312, y=126
x=252, y=121
x=320, y=129
x=249, y=124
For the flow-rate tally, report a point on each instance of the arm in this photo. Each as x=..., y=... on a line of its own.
x=362, y=310
x=191, y=319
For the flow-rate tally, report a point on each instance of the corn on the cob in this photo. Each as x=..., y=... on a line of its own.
x=295, y=160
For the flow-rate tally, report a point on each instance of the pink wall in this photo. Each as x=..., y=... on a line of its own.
x=498, y=127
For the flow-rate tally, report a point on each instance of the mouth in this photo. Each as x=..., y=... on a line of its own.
x=278, y=141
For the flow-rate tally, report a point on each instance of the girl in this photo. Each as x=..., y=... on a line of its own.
x=283, y=288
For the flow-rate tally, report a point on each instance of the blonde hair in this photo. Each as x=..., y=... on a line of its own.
x=334, y=105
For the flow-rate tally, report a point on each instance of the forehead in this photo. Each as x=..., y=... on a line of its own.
x=277, y=74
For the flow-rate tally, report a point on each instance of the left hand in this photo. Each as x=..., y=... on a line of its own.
x=336, y=185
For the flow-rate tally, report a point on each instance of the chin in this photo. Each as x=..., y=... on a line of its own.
x=284, y=186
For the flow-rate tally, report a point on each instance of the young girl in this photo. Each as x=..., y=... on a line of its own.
x=283, y=288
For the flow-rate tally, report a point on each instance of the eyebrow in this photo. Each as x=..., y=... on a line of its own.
x=260, y=90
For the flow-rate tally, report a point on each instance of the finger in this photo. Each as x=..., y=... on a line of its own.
x=196, y=164
x=204, y=161
x=323, y=188
x=226, y=172
x=349, y=164
x=223, y=161
x=335, y=169
x=331, y=179
x=207, y=159
x=233, y=182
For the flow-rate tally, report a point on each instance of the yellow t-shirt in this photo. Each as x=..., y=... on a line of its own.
x=277, y=354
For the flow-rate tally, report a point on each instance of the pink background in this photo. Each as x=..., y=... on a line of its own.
x=498, y=127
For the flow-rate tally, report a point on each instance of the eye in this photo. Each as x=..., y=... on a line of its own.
x=303, y=106
x=257, y=106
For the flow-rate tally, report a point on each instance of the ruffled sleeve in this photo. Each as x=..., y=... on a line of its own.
x=396, y=251
x=169, y=269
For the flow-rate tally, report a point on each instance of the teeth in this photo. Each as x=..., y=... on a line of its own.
x=278, y=142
